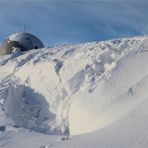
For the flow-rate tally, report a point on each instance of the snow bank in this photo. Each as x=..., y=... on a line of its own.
x=74, y=89
x=27, y=108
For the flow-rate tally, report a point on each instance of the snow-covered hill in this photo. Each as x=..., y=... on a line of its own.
x=96, y=91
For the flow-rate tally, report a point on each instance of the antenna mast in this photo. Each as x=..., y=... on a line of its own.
x=24, y=28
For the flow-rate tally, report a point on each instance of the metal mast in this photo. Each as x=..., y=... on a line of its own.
x=24, y=28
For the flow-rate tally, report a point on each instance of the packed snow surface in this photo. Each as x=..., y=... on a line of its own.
x=96, y=91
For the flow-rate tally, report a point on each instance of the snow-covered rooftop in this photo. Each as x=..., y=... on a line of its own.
x=23, y=37
x=22, y=40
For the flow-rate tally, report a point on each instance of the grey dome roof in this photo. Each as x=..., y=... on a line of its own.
x=24, y=41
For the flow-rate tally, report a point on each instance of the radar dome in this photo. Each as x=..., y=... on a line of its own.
x=23, y=41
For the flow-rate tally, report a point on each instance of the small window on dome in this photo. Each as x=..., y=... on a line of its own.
x=36, y=47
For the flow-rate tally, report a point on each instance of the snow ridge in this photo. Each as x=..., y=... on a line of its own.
x=73, y=89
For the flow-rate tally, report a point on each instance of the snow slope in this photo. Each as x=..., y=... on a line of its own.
x=96, y=91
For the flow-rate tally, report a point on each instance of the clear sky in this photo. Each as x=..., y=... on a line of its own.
x=74, y=21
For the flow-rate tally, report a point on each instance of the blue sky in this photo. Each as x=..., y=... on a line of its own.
x=74, y=21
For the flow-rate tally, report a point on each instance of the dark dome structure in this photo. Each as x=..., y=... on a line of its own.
x=23, y=41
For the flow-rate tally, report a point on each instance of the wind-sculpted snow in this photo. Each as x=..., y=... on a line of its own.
x=74, y=89
x=27, y=108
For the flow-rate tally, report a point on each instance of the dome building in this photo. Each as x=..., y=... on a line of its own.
x=23, y=41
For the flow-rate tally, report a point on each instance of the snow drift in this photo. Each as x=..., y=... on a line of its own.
x=74, y=89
